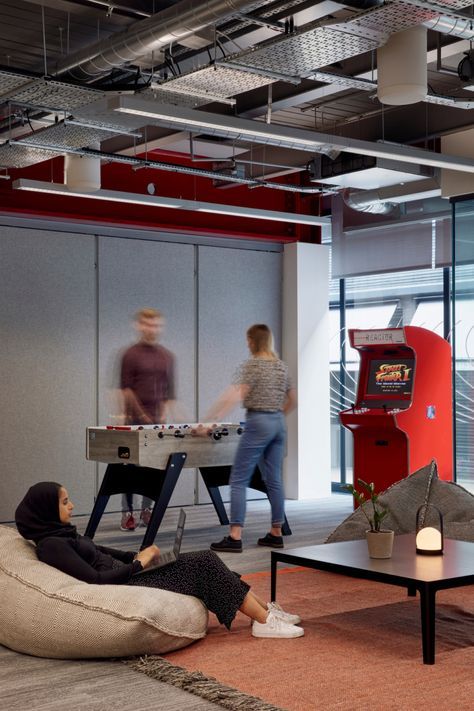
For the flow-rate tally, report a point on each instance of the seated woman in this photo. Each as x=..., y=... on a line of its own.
x=44, y=516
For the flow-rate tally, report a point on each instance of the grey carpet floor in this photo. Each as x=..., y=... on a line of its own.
x=28, y=683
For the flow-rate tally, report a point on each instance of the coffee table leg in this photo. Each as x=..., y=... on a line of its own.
x=274, y=563
x=428, y=615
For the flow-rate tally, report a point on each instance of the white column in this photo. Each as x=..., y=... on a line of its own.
x=306, y=350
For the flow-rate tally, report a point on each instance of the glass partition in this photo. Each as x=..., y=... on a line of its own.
x=463, y=339
x=374, y=301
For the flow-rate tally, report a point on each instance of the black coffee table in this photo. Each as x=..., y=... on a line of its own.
x=427, y=574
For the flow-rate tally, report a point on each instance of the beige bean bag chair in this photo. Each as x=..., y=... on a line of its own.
x=46, y=613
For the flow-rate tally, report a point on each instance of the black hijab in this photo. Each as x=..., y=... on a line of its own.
x=37, y=515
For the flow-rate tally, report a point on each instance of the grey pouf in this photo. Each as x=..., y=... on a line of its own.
x=403, y=500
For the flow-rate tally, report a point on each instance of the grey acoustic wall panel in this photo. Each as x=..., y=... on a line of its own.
x=47, y=363
x=237, y=288
x=133, y=274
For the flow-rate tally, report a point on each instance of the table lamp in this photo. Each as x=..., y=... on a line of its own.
x=429, y=530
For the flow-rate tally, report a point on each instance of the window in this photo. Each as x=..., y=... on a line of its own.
x=378, y=301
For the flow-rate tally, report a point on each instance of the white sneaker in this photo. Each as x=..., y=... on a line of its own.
x=276, y=627
x=285, y=616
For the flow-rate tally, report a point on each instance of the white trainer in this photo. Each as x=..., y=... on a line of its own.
x=285, y=616
x=276, y=627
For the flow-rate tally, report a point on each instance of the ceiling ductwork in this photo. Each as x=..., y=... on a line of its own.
x=149, y=35
x=369, y=203
x=460, y=27
x=384, y=201
x=295, y=81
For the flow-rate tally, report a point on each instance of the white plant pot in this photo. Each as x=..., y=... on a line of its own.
x=380, y=543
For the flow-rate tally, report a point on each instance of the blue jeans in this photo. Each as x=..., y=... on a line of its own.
x=264, y=437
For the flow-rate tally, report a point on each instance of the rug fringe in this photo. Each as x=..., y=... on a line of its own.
x=196, y=683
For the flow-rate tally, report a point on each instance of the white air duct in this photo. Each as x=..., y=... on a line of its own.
x=82, y=172
x=402, y=75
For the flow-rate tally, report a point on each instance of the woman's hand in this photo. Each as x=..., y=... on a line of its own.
x=148, y=556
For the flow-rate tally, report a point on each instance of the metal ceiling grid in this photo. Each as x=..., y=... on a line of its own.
x=385, y=20
x=216, y=81
x=63, y=135
x=175, y=98
x=449, y=101
x=297, y=55
x=14, y=156
x=346, y=82
x=98, y=113
x=10, y=82
x=321, y=45
x=46, y=93
x=448, y=4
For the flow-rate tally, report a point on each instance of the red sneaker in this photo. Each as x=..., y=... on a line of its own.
x=128, y=522
x=145, y=517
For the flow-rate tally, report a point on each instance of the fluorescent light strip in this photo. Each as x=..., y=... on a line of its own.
x=157, y=201
x=284, y=136
x=206, y=127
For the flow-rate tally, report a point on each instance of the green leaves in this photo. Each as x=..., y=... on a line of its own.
x=378, y=512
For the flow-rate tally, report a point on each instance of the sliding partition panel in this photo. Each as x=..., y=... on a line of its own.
x=237, y=288
x=47, y=363
x=463, y=339
x=137, y=273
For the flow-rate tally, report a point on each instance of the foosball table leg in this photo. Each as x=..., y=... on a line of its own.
x=216, y=499
x=99, y=505
x=172, y=472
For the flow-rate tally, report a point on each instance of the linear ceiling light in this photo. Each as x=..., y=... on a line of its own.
x=157, y=201
x=283, y=136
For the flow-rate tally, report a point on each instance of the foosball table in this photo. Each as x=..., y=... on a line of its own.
x=148, y=460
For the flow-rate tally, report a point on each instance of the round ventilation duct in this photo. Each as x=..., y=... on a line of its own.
x=466, y=67
x=82, y=172
x=402, y=76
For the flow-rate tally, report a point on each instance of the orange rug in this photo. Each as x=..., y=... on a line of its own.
x=361, y=649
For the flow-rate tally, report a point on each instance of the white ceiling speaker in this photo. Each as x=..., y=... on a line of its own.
x=402, y=75
x=82, y=172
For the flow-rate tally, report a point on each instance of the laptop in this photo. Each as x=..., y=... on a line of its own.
x=172, y=555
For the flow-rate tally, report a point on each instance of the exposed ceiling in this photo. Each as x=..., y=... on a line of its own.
x=187, y=70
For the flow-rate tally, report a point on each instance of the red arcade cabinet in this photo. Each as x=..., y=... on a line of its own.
x=402, y=418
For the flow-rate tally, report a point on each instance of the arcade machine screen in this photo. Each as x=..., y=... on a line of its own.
x=389, y=382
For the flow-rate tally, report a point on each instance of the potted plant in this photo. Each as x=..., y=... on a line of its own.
x=379, y=540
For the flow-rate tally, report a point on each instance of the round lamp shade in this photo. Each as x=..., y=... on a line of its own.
x=429, y=539
x=429, y=530
x=402, y=76
x=82, y=173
